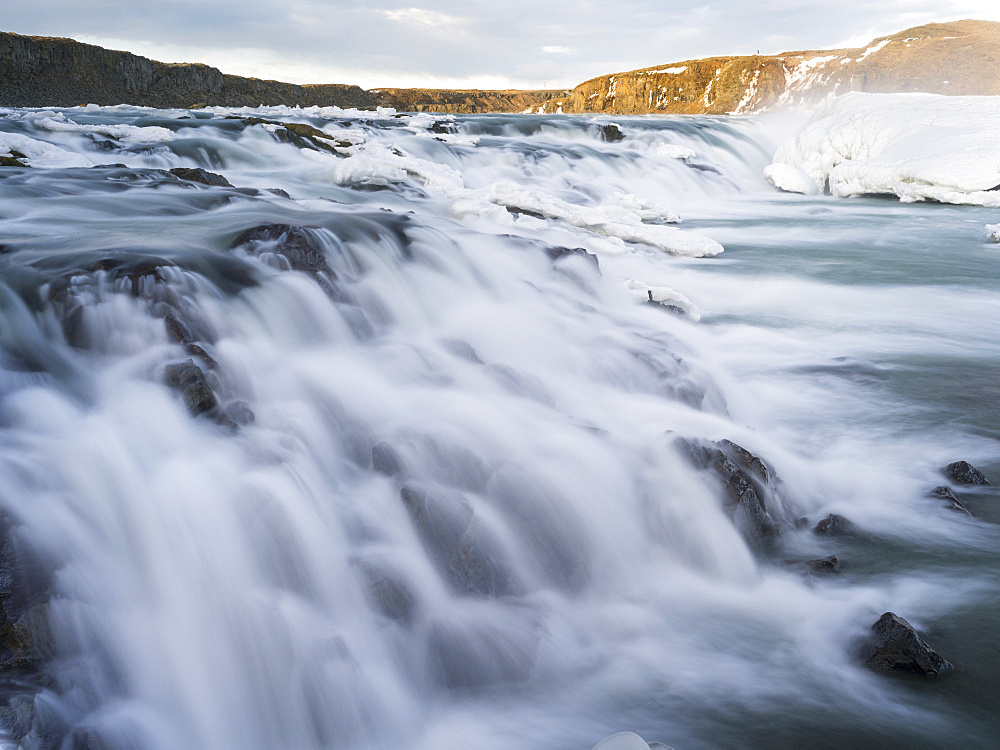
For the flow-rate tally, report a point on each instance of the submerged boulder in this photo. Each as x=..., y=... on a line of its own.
x=835, y=525
x=898, y=648
x=962, y=472
x=946, y=494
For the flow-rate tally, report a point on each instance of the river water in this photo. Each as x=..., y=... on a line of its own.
x=438, y=496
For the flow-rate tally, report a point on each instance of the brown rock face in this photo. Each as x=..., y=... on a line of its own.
x=956, y=58
x=43, y=72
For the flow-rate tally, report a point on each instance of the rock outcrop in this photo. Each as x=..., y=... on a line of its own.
x=898, y=648
x=956, y=58
x=45, y=71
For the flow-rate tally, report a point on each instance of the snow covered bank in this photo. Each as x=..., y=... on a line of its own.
x=915, y=146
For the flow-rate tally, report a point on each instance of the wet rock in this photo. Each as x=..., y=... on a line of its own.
x=388, y=593
x=477, y=568
x=18, y=716
x=964, y=473
x=829, y=564
x=385, y=460
x=946, y=494
x=443, y=127
x=441, y=518
x=197, y=174
x=239, y=413
x=746, y=480
x=898, y=648
x=199, y=399
x=199, y=351
x=14, y=159
x=835, y=525
x=298, y=245
x=183, y=374
x=610, y=133
x=557, y=253
x=176, y=329
x=301, y=135
x=481, y=653
x=462, y=350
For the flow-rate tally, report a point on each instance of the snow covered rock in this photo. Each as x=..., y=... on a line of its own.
x=918, y=147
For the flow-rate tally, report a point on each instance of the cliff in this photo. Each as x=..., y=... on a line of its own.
x=956, y=58
x=43, y=71
x=464, y=101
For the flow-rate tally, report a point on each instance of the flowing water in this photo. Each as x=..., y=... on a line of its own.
x=438, y=496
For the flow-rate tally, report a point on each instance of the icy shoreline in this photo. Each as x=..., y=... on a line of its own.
x=917, y=147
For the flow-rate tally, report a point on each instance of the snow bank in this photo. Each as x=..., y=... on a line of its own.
x=915, y=146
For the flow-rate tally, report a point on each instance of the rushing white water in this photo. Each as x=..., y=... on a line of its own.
x=459, y=516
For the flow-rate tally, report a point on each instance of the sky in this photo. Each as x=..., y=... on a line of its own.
x=468, y=43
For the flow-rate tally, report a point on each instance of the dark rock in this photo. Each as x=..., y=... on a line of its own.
x=199, y=398
x=240, y=413
x=385, y=461
x=183, y=374
x=278, y=192
x=462, y=350
x=443, y=127
x=557, y=253
x=176, y=329
x=946, y=494
x=898, y=648
x=746, y=481
x=962, y=472
x=18, y=716
x=388, y=594
x=298, y=245
x=829, y=564
x=197, y=174
x=834, y=524
x=610, y=133
x=199, y=351
x=476, y=568
x=441, y=519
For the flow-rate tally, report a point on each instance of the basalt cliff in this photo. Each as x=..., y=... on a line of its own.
x=962, y=57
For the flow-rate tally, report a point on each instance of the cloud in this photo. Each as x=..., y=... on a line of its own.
x=448, y=43
x=424, y=17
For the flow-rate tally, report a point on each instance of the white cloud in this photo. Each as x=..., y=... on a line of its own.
x=423, y=17
x=556, y=50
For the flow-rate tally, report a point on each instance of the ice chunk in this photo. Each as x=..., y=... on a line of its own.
x=790, y=179
x=993, y=232
x=914, y=146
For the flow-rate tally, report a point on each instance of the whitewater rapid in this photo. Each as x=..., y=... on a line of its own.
x=430, y=484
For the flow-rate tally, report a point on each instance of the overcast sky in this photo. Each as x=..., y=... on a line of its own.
x=468, y=43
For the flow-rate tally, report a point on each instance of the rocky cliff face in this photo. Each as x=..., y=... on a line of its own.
x=950, y=58
x=42, y=71
x=465, y=101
